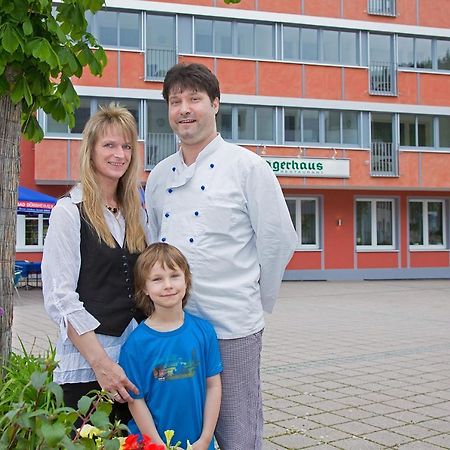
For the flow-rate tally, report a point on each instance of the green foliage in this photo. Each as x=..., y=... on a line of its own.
x=33, y=415
x=231, y=1
x=40, y=50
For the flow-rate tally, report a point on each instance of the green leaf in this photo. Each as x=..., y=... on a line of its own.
x=57, y=391
x=113, y=444
x=37, y=378
x=27, y=28
x=100, y=419
x=11, y=39
x=85, y=402
x=31, y=129
x=53, y=433
x=18, y=91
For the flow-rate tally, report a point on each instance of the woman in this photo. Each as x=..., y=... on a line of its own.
x=96, y=233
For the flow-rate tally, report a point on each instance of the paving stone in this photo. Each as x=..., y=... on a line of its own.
x=351, y=349
x=387, y=438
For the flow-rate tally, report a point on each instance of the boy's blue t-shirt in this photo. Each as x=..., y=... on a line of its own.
x=170, y=371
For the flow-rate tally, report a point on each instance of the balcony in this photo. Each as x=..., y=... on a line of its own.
x=383, y=159
x=158, y=62
x=158, y=147
x=381, y=7
x=382, y=78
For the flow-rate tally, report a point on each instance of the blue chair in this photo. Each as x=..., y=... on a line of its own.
x=18, y=275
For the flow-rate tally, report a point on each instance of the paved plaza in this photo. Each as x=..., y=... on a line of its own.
x=346, y=365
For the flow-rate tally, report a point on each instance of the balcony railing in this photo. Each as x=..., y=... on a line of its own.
x=381, y=7
x=382, y=78
x=158, y=147
x=159, y=61
x=383, y=159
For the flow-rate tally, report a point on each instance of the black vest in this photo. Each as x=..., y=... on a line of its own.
x=105, y=284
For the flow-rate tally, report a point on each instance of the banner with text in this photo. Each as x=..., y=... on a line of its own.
x=309, y=167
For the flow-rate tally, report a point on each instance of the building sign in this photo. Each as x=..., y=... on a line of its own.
x=309, y=167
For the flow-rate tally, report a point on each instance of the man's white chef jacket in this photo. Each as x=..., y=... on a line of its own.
x=227, y=214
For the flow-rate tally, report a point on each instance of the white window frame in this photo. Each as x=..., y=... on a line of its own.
x=426, y=245
x=373, y=205
x=298, y=222
x=20, y=233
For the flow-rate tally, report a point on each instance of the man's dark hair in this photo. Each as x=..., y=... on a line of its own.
x=191, y=76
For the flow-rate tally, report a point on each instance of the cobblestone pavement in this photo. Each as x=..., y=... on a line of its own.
x=346, y=365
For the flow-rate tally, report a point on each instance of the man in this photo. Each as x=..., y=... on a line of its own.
x=222, y=206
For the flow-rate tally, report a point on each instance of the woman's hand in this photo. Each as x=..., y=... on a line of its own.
x=200, y=445
x=111, y=377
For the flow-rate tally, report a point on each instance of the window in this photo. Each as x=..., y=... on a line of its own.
x=336, y=47
x=245, y=39
x=423, y=55
x=223, y=43
x=375, y=223
x=332, y=127
x=31, y=231
x=224, y=121
x=264, y=41
x=416, y=131
x=291, y=43
x=330, y=46
x=444, y=131
x=308, y=125
x=405, y=51
x=247, y=123
x=203, y=36
x=443, y=54
x=116, y=28
x=426, y=223
x=305, y=217
x=160, y=141
x=382, y=7
x=160, y=46
x=88, y=106
x=309, y=44
x=415, y=52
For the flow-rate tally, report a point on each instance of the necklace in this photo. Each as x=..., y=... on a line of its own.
x=114, y=210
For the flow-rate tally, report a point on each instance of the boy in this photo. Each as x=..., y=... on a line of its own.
x=172, y=357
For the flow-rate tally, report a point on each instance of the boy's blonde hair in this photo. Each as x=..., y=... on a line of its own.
x=128, y=188
x=169, y=257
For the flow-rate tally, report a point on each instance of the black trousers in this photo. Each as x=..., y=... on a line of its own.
x=74, y=391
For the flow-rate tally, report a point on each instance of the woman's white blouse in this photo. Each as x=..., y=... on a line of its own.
x=60, y=270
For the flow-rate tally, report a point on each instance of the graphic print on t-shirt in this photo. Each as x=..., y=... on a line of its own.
x=175, y=368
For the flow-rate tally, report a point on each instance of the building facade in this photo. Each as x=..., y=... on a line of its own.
x=348, y=101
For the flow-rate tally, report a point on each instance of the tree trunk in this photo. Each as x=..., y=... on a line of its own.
x=9, y=181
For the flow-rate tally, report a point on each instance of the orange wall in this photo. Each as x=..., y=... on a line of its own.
x=429, y=259
x=281, y=6
x=338, y=244
x=326, y=8
x=323, y=82
x=280, y=80
x=305, y=261
x=377, y=260
x=434, y=13
x=236, y=77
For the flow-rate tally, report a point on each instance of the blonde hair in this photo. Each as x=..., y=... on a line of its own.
x=128, y=187
x=168, y=256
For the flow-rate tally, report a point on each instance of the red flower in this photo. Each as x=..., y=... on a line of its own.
x=147, y=444
x=132, y=443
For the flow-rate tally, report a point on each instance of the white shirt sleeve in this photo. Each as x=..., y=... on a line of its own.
x=276, y=238
x=153, y=225
x=60, y=270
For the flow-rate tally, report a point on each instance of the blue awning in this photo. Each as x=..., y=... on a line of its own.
x=33, y=202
